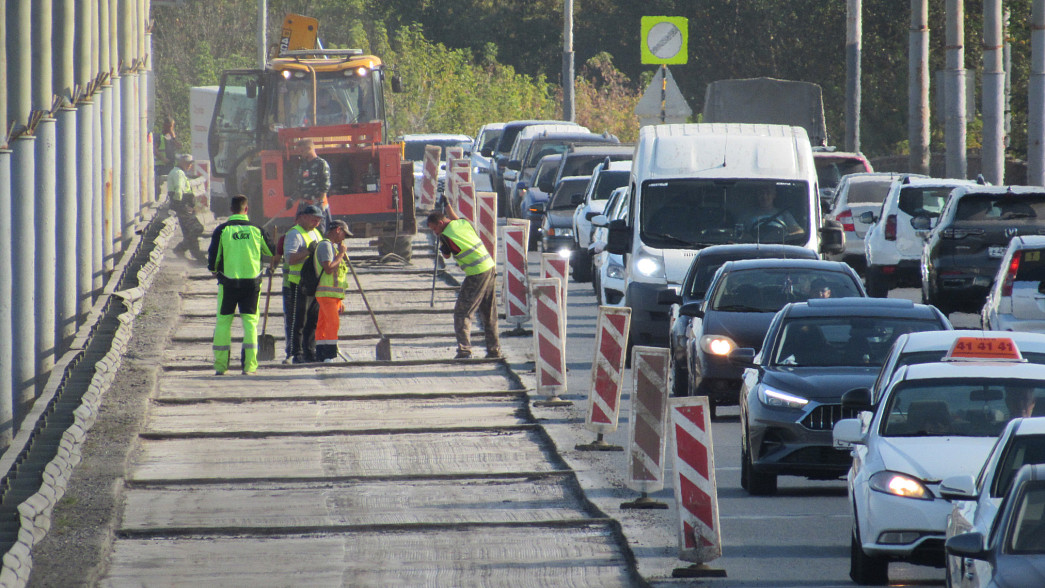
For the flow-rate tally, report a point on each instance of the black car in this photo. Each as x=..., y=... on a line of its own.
x=500, y=154
x=580, y=160
x=548, y=144
x=556, y=218
x=695, y=285
x=791, y=396
x=962, y=253
x=741, y=302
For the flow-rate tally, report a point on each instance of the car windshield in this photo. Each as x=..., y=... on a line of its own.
x=769, y=289
x=924, y=201
x=837, y=341
x=1022, y=450
x=967, y=407
x=564, y=193
x=608, y=181
x=489, y=139
x=414, y=150
x=545, y=171
x=1000, y=207
x=829, y=171
x=696, y=213
x=1027, y=530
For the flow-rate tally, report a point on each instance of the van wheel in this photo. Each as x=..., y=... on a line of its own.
x=864, y=569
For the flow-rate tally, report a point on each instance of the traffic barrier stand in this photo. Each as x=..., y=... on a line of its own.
x=607, y=374
x=459, y=178
x=515, y=279
x=549, y=341
x=554, y=266
x=700, y=538
x=649, y=418
x=455, y=153
x=486, y=220
x=429, y=178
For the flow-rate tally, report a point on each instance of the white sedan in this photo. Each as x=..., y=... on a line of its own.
x=935, y=421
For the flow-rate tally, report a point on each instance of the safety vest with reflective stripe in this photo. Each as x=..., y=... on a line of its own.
x=294, y=271
x=331, y=285
x=240, y=248
x=473, y=258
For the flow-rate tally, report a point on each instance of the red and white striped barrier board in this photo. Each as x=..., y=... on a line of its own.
x=649, y=418
x=459, y=180
x=486, y=221
x=700, y=538
x=549, y=337
x=429, y=178
x=516, y=283
x=455, y=153
x=607, y=369
x=554, y=266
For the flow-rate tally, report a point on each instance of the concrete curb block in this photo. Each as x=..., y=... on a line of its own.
x=35, y=512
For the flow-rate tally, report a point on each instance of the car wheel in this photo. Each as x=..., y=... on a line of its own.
x=679, y=379
x=744, y=467
x=581, y=263
x=758, y=483
x=864, y=569
x=875, y=283
x=535, y=239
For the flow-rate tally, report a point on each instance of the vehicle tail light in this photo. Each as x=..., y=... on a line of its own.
x=1010, y=277
x=846, y=218
x=890, y=228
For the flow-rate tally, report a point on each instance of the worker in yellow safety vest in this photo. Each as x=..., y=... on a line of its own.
x=331, y=261
x=458, y=238
x=300, y=311
x=236, y=248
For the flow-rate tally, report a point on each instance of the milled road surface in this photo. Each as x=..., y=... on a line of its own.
x=421, y=471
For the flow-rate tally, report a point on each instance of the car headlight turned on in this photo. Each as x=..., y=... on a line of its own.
x=565, y=252
x=778, y=399
x=899, y=484
x=717, y=344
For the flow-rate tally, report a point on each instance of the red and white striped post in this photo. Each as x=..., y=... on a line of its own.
x=459, y=180
x=486, y=221
x=554, y=266
x=649, y=424
x=607, y=375
x=516, y=281
x=700, y=538
x=429, y=178
x=455, y=153
x=549, y=341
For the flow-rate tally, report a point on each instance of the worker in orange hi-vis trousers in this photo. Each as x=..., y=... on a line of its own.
x=332, y=268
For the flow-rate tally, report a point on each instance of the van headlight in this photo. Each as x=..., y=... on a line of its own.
x=648, y=266
x=717, y=345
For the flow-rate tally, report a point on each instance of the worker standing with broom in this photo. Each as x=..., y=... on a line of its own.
x=332, y=268
x=478, y=291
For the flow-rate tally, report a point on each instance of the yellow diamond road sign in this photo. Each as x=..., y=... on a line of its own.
x=665, y=39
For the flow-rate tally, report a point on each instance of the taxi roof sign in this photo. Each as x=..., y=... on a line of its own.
x=984, y=348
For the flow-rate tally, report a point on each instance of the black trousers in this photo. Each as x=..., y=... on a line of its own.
x=300, y=315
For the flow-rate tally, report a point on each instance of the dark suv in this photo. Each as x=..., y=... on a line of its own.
x=962, y=253
x=580, y=160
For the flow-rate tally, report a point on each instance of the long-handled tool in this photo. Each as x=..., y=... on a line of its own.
x=384, y=345
x=267, y=343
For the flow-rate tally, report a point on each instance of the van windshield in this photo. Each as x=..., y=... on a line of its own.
x=698, y=213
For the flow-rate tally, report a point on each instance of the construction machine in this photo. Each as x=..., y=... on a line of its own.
x=334, y=97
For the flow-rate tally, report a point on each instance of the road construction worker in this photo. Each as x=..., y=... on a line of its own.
x=300, y=311
x=167, y=148
x=332, y=268
x=183, y=203
x=458, y=238
x=313, y=179
x=236, y=248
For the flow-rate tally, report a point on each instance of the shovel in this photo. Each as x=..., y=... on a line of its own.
x=384, y=345
x=267, y=343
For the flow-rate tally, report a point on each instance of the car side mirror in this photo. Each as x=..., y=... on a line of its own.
x=857, y=399
x=577, y=199
x=921, y=223
x=538, y=208
x=514, y=164
x=866, y=217
x=741, y=357
x=591, y=214
x=545, y=187
x=618, y=241
x=668, y=296
x=832, y=238
x=599, y=220
x=966, y=545
x=486, y=152
x=961, y=487
x=847, y=432
x=692, y=309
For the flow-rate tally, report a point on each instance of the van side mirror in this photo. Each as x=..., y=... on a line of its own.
x=832, y=238
x=668, y=296
x=618, y=241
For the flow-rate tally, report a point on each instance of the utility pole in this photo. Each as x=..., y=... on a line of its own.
x=567, y=62
x=918, y=88
x=993, y=161
x=954, y=93
x=853, y=34
x=262, y=29
x=1036, y=98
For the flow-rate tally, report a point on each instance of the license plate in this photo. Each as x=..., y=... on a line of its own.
x=996, y=251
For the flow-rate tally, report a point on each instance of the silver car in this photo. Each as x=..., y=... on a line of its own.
x=1016, y=301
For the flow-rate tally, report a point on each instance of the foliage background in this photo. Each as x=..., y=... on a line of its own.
x=467, y=62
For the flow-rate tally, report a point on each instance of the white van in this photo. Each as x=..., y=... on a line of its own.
x=696, y=185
